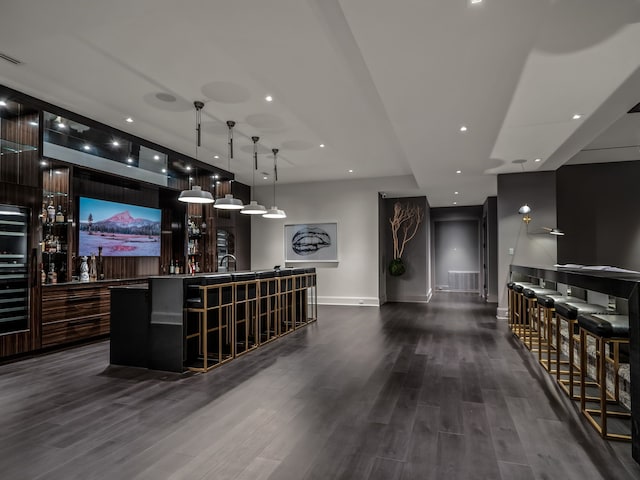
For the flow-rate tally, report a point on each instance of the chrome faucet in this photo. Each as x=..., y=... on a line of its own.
x=227, y=257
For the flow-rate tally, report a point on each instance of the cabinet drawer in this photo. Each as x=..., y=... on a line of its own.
x=67, y=331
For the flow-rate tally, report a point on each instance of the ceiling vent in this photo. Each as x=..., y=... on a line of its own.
x=10, y=59
x=635, y=109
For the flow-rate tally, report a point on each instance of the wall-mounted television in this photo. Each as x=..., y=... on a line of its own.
x=120, y=229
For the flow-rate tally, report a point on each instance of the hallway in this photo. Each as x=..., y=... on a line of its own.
x=407, y=391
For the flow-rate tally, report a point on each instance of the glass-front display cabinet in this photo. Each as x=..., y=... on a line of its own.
x=14, y=268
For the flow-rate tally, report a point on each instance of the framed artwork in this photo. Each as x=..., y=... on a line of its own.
x=311, y=242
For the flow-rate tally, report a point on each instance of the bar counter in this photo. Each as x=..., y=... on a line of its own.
x=198, y=322
x=623, y=285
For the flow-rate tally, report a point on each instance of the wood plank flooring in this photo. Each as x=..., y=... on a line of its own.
x=407, y=391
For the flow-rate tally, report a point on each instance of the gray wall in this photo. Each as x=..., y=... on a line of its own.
x=455, y=215
x=456, y=248
x=531, y=244
x=598, y=209
x=490, y=221
x=414, y=285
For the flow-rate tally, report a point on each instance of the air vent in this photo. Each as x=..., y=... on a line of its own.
x=10, y=59
x=635, y=109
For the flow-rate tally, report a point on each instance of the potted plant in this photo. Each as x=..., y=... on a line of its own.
x=404, y=225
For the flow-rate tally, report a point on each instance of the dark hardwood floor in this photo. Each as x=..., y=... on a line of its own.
x=407, y=391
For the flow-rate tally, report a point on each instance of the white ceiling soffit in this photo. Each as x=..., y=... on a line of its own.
x=384, y=85
x=585, y=61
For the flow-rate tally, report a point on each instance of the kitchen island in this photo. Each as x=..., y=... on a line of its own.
x=198, y=322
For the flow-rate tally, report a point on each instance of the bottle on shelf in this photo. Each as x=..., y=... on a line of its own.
x=44, y=214
x=53, y=276
x=59, y=215
x=51, y=212
x=172, y=269
x=43, y=274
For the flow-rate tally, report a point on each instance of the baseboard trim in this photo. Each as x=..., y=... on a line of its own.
x=502, y=313
x=349, y=301
x=409, y=299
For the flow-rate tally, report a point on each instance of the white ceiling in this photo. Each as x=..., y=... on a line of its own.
x=386, y=85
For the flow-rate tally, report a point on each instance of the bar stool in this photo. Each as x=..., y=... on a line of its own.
x=285, y=300
x=267, y=306
x=245, y=328
x=531, y=326
x=515, y=302
x=546, y=312
x=568, y=312
x=612, y=330
x=209, y=340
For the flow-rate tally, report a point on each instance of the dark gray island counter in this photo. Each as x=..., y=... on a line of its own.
x=197, y=322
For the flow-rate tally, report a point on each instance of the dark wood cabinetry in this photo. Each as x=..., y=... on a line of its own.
x=78, y=311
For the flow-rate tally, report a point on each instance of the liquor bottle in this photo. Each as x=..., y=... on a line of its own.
x=44, y=214
x=43, y=274
x=59, y=215
x=51, y=212
x=53, y=276
x=197, y=267
x=172, y=269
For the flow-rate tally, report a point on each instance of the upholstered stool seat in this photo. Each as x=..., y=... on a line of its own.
x=568, y=312
x=530, y=329
x=516, y=302
x=605, y=329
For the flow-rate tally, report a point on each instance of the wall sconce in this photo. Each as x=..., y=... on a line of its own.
x=525, y=210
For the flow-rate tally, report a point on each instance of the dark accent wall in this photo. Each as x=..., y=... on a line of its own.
x=518, y=243
x=413, y=285
x=490, y=248
x=598, y=209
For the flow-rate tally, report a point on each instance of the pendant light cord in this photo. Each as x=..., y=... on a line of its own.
x=255, y=162
x=275, y=173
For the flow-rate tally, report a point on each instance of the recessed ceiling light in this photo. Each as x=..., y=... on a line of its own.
x=216, y=156
x=463, y=128
x=129, y=166
x=577, y=116
x=475, y=2
x=35, y=124
x=350, y=171
x=458, y=171
x=129, y=120
x=3, y=103
x=129, y=160
x=269, y=98
x=87, y=147
x=538, y=160
x=322, y=145
x=455, y=203
x=156, y=157
x=164, y=170
x=188, y=168
x=456, y=193
x=115, y=143
x=265, y=178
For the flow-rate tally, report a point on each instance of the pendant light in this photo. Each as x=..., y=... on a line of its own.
x=274, y=212
x=228, y=202
x=196, y=194
x=254, y=208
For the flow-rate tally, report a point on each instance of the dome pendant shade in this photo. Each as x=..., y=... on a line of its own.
x=228, y=203
x=274, y=212
x=195, y=195
x=253, y=208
